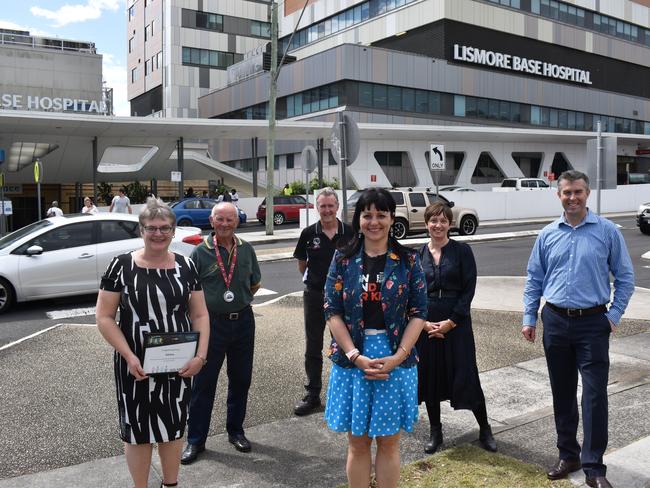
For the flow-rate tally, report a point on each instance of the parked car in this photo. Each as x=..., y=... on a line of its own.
x=409, y=214
x=196, y=211
x=643, y=218
x=516, y=184
x=62, y=256
x=456, y=188
x=285, y=209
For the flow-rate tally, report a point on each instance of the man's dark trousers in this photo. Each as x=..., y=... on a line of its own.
x=575, y=344
x=234, y=340
x=314, y=328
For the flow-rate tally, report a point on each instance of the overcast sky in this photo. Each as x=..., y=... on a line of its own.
x=100, y=21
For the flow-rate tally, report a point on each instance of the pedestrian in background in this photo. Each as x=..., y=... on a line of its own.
x=120, y=203
x=155, y=291
x=89, y=207
x=314, y=253
x=375, y=305
x=570, y=266
x=54, y=210
x=234, y=196
x=447, y=369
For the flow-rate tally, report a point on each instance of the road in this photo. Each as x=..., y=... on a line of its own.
x=494, y=258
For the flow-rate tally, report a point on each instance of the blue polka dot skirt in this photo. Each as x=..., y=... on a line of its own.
x=372, y=407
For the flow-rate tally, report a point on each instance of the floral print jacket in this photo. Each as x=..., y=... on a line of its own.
x=403, y=296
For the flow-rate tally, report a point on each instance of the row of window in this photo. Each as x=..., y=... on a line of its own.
x=208, y=58
x=153, y=64
x=215, y=22
x=343, y=20
x=402, y=99
x=148, y=31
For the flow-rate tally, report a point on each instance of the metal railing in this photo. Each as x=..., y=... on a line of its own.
x=47, y=43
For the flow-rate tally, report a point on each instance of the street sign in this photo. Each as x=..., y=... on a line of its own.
x=37, y=171
x=352, y=140
x=6, y=205
x=309, y=159
x=437, y=157
x=176, y=176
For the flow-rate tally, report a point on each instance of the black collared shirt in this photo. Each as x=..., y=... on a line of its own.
x=317, y=249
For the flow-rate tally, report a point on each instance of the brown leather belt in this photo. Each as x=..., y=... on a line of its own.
x=578, y=312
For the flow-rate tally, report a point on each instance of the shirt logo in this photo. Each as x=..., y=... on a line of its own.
x=371, y=290
x=315, y=243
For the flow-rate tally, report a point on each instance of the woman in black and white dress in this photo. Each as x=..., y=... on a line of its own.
x=156, y=291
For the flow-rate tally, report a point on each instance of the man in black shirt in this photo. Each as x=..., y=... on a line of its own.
x=314, y=253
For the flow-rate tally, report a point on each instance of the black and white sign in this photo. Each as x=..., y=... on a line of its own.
x=437, y=157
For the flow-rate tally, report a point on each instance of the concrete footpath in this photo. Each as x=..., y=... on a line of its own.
x=302, y=452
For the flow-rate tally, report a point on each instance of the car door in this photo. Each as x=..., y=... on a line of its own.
x=67, y=265
x=296, y=204
x=195, y=211
x=115, y=237
x=203, y=218
x=417, y=205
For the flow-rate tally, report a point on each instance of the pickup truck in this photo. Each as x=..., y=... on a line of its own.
x=516, y=184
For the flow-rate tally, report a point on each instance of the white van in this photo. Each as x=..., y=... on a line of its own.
x=516, y=184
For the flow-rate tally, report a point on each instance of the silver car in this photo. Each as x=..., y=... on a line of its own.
x=62, y=256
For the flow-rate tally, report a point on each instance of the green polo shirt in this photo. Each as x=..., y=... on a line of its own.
x=245, y=280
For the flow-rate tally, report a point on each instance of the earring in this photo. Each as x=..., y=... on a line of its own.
x=390, y=232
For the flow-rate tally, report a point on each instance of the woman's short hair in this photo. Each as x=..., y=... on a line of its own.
x=436, y=209
x=379, y=197
x=156, y=209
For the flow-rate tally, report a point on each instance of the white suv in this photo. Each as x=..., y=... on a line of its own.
x=516, y=184
x=643, y=218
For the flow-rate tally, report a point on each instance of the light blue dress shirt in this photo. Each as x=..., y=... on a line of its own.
x=570, y=267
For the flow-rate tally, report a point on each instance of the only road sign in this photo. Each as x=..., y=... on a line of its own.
x=437, y=157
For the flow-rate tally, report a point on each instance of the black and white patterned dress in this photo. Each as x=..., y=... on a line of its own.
x=152, y=300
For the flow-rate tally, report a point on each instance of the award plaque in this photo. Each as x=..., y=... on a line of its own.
x=168, y=352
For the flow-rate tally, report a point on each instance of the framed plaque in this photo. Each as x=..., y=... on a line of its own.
x=168, y=352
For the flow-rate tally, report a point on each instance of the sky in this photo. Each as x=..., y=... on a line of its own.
x=100, y=21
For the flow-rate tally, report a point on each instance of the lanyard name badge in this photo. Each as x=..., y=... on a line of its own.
x=228, y=296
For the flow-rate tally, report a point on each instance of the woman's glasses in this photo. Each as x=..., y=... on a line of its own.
x=151, y=229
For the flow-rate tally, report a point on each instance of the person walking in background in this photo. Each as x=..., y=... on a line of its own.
x=287, y=190
x=89, y=207
x=156, y=291
x=314, y=253
x=120, y=203
x=447, y=369
x=230, y=276
x=54, y=210
x=234, y=196
x=375, y=306
x=570, y=266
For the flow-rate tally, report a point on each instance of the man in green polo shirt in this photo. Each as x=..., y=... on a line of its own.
x=230, y=276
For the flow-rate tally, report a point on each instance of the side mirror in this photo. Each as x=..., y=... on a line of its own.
x=34, y=250
x=451, y=204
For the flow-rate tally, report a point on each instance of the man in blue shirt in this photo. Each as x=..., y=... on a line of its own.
x=570, y=266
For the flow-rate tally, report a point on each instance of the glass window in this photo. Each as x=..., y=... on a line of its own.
x=398, y=196
x=504, y=110
x=335, y=24
x=205, y=57
x=545, y=117
x=571, y=120
x=365, y=11
x=434, y=103
x=134, y=75
x=323, y=97
x=379, y=96
x=146, y=67
x=357, y=14
x=487, y=170
x=534, y=6
x=65, y=237
x=394, y=98
x=290, y=112
x=493, y=109
x=315, y=103
x=298, y=103
x=196, y=56
x=580, y=121
x=408, y=99
x=563, y=122
x=214, y=58
x=417, y=200
x=131, y=44
x=328, y=27
x=553, y=118
x=515, y=112
x=186, y=55
x=421, y=101
x=482, y=108
x=459, y=105
x=290, y=161
x=334, y=96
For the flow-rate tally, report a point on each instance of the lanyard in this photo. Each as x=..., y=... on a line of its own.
x=222, y=268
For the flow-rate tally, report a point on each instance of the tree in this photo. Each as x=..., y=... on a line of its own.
x=105, y=192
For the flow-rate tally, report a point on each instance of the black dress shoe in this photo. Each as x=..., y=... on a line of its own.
x=486, y=439
x=240, y=442
x=191, y=452
x=563, y=468
x=598, y=482
x=435, y=440
x=307, y=405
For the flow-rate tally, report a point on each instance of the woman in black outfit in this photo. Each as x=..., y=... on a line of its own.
x=447, y=369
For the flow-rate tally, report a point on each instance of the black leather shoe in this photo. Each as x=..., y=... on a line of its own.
x=240, y=442
x=486, y=439
x=598, y=482
x=563, y=468
x=435, y=440
x=307, y=405
x=191, y=452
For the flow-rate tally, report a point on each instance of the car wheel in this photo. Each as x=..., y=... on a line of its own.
x=184, y=223
x=468, y=226
x=262, y=221
x=400, y=229
x=645, y=228
x=6, y=295
x=278, y=218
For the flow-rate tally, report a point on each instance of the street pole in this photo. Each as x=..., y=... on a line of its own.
x=344, y=165
x=273, y=90
x=2, y=203
x=599, y=149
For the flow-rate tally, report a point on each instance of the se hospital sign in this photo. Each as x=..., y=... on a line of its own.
x=35, y=102
x=475, y=55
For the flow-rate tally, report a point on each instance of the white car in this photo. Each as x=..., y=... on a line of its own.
x=643, y=218
x=62, y=256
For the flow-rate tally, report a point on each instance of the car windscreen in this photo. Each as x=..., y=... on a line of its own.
x=509, y=184
x=20, y=233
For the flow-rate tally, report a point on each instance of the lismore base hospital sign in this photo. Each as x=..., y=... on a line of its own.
x=14, y=101
x=511, y=62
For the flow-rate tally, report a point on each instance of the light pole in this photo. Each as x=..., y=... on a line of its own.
x=270, y=146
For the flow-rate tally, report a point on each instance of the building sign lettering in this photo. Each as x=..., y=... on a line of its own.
x=34, y=102
x=510, y=62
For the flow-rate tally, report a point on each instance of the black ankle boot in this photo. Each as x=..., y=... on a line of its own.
x=435, y=441
x=486, y=439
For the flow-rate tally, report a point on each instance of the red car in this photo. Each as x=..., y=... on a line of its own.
x=285, y=209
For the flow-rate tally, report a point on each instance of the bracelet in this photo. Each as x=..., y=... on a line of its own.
x=403, y=349
x=351, y=353
x=355, y=357
x=453, y=324
x=203, y=359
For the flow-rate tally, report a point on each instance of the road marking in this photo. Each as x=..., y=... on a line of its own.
x=73, y=312
x=35, y=334
x=264, y=292
x=277, y=299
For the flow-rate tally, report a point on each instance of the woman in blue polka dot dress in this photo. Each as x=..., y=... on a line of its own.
x=375, y=305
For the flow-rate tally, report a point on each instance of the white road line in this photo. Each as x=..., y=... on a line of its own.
x=35, y=334
x=277, y=299
x=73, y=312
x=265, y=291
